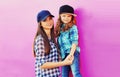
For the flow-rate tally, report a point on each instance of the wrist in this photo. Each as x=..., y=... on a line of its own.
x=71, y=53
x=63, y=62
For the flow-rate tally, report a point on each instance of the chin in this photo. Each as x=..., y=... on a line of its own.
x=65, y=22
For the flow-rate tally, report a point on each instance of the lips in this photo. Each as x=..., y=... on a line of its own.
x=65, y=20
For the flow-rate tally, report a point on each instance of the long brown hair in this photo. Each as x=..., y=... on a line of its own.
x=67, y=26
x=40, y=31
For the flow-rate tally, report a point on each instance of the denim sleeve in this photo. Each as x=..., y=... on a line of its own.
x=39, y=50
x=74, y=35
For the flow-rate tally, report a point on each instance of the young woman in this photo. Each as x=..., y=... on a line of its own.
x=45, y=48
x=67, y=33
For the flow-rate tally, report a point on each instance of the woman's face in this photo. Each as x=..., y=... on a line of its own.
x=47, y=23
x=66, y=18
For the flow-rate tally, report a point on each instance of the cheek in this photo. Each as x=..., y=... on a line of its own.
x=52, y=22
x=43, y=24
x=70, y=19
x=62, y=18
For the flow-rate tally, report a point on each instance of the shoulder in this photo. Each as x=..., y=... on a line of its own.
x=74, y=27
x=39, y=38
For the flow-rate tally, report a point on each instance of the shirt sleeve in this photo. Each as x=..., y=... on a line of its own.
x=39, y=51
x=74, y=35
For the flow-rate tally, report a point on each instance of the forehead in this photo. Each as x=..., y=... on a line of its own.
x=65, y=14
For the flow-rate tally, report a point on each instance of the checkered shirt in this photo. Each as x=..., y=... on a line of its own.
x=66, y=39
x=41, y=58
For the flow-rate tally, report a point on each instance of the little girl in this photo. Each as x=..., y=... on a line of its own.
x=45, y=48
x=67, y=33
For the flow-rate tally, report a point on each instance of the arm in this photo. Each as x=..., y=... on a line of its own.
x=67, y=61
x=73, y=48
x=73, y=39
x=48, y=65
x=41, y=58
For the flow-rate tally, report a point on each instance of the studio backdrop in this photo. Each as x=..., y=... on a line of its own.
x=98, y=22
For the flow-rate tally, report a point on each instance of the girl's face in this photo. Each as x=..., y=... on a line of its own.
x=66, y=18
x=47, y=23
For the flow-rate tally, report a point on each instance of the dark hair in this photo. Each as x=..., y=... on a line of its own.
x=41, y=32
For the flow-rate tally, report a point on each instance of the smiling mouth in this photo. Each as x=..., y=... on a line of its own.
x=66, y=20
x=48, y=25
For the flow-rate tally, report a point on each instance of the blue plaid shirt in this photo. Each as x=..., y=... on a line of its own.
x=66, y=39
x=41, y=58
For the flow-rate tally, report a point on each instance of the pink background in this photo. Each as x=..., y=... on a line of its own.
x=99, y=29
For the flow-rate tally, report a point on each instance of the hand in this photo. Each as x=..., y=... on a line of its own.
x=69, y=59
x=69, y=56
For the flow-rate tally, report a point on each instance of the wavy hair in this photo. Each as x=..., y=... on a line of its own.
x=67, y=26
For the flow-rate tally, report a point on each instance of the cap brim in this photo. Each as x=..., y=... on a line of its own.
x=74, y=14
x=46, y=17
x=70, y=14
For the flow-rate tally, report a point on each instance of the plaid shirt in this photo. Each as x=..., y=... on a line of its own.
x=66, y=39
x=41, y=58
